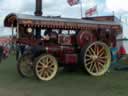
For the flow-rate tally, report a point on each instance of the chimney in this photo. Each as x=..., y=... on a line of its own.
x=38, y=10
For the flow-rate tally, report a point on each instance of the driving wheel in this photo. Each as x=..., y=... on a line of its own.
x=96, y=58
x=25, y=66
x=46, y=67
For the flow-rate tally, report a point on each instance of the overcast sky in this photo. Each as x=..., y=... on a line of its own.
x=61, y=8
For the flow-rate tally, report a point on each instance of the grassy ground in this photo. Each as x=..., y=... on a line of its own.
x=114, y=83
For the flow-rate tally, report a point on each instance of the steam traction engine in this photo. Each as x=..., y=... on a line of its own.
x=71, y=41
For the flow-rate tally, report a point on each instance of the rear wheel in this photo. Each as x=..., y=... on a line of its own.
x=46, y=67
x=96, y=58
x=25, y=66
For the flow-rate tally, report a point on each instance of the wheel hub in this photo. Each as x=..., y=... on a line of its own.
x=94, y=57
x=45, y=66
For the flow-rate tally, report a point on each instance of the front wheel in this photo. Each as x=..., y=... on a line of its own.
x=46, y=67
x=96, y=58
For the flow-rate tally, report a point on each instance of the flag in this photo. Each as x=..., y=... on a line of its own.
x=72, y=2
x=91, y=11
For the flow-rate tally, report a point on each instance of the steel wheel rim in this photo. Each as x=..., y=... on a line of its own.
x=26, y=66
x=97, y=58
x=46, y=67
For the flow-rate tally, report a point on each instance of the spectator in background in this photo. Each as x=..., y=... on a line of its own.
x=19, y=50
x=1, y=53
x=5, y=52
x=122, y=51
x=114, y=52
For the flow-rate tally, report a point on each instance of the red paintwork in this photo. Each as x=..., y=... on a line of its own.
x=70, y=58
x=84, y=37
x=26, y=41
x=65, y=54
x=67, y=40
x=59, y=50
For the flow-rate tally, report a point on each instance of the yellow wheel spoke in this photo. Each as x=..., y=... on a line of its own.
x=101, y=50
x=100, y=57
x=96, y=67
x=47, y=60
x=39, y=65
x=101, y=54
x=88, y=55
x=40, y=71
x=46, y=74
x=50, y=61
x=92, y=50
x=92, y=68
x=89, y=52
x=43, y=60
x=42, y=74
x=102, y=61
x=42, y=63
x=88, y=59
x=100, y=64
x=91, y=65
x=49, y=71
x=51, y=66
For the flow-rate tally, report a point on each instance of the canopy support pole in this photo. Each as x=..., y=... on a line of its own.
x=12, y=45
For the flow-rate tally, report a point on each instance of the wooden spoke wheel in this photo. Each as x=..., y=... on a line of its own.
x=25, y=66
x=96, y=58
x=46, y=67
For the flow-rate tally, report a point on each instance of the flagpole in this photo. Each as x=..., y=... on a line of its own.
x=85, y=8
x=81, y=8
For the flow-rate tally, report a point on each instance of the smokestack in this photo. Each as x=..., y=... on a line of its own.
x=38, y=10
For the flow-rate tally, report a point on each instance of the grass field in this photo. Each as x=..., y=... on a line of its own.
x=114, y=83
